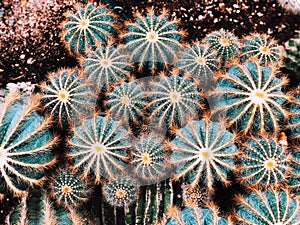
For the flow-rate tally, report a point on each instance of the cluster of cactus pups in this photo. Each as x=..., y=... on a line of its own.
x=199, y=112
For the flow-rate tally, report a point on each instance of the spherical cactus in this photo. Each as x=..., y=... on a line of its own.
x=150, y=159
x=294, y=120
x=67, y=97
x=269, y=207
x=251, y=98
x=199, y=61
x=225, y=43
x=87, y=26
x=127, y=102
x=152, y=40
x=68, y=189
x=265, y=49
x=25, y=144
x=121, y=191
x=263, y=162
x=293, y=178
x=203, y=151
x=106, y=65
x=100, y=146
x=173, y=99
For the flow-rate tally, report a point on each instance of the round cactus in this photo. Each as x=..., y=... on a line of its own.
x=203, y=151
x=263, y=162
x=225, y=43
x=25, y=144
x=265, y=49
x=251, y=98
x=106, y=65
x=152, y=40
x=67, y=97
x=100, y=146
x=89, y=25
x=121, y=191
x=173, y=99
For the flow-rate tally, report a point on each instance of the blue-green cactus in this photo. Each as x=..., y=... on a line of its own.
x=192, y=215
x=225, y=43
x=251, y=98
x=121, y=192
x=152, y=40
x=265, y=49
x=173, y=99
x=68, y=189
x=269, y=207
x=106, y=65
x=200, y=62
x=89, y=25
x=203, y=151
x=293, y=178
x=263, y=162
x=25, y=144
x=127, y=101
x=294, y=119
x=99, y=146
x=68, y=97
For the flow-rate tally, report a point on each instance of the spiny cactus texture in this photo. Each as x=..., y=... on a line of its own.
x=292, y=6
x=174, y=98
x=263, y=162
x=67, y=96
x=154, y=120
x=68, y=189
x=199, y=61
x=261, y=46
x=225, y=43
x=152, y=40
x=106, y=65
x=127, y=102
x=268, y=207
x=37, y=208
x=89, y=25
x=150, y=159
x=192, y=215
x=99, y=146
x=293, y=178
x=251, y=97
x=25, y=144
x=121, y=192
x=204, y=152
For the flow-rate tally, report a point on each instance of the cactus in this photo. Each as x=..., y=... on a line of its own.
x=68, y=97
x=106, y=65
x=251, y=97
x=204, y=152
x=225, y=43
x=89, y=25
x=265, y=49
x=173, y=99
x=99, y=146
x=152, y=40
x=268, y=207
x=263, y=162
x=25, y=144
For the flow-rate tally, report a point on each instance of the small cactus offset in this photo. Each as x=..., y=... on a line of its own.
x=89, y=25
x=25, y=144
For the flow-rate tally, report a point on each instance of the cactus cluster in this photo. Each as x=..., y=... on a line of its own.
x=148, y=128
